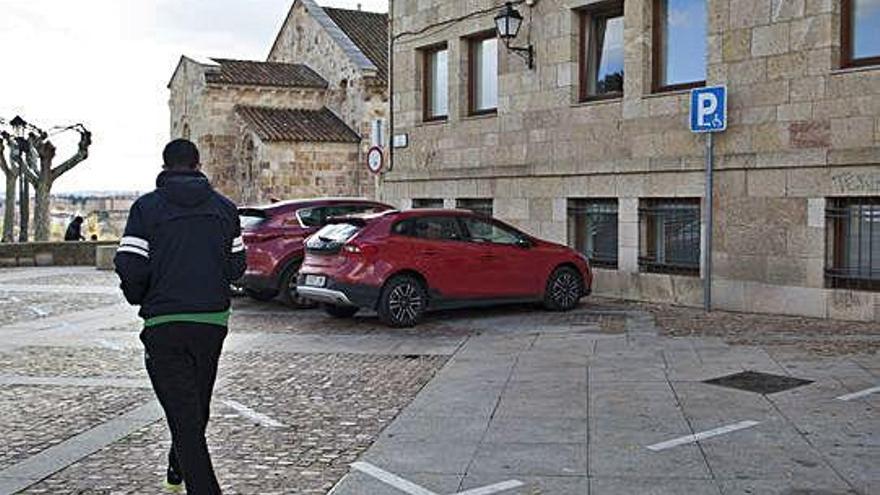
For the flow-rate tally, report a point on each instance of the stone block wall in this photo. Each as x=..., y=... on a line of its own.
x=51, y=253
x=801, y=130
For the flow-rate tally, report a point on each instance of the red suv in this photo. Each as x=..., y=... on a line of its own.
x=274, y=236
x=403, y=263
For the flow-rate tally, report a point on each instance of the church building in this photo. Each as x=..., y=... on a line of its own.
x=300, y=123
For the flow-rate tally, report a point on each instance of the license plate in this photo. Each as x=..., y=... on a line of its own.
x=316, y=280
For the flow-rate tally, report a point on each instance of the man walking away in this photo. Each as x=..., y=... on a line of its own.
x=74, y=230
x=181, y=249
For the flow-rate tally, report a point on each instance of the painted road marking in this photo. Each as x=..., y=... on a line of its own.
x=253, y=415
x=411, y=488
x=496, y=488
x=675, y=442
x=391, y=479
x=39, y=311
x=861, y=393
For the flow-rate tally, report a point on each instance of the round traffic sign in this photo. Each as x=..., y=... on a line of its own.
x=375, y=159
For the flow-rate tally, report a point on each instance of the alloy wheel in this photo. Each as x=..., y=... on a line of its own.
x=405, y=303
x=566, y=290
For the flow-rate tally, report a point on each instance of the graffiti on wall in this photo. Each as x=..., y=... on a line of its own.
x=850, y=182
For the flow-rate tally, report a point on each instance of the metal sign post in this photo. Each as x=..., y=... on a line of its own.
x=708, y=116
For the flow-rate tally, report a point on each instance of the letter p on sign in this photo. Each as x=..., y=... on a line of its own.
x=709, y=109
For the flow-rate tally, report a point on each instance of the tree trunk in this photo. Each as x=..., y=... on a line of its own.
x=41, y=210
x=9, y=213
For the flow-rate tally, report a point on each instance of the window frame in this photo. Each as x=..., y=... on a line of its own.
x=657, y=53
x=472, y=42
x=585, y=18
x=426, y=53
x=846, y=40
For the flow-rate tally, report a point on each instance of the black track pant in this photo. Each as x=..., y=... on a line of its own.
x=181, y=360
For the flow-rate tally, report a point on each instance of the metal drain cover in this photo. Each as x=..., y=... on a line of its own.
x=761, y=383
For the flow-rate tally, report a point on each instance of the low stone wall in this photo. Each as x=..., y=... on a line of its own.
x=50, y=253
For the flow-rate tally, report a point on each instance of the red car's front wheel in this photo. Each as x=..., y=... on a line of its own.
x=565, y=287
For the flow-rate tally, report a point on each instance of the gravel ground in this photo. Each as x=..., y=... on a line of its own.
x=332, y=408
x=818, y=336
x=35, y=418
x=24, y=306
x=73, y=362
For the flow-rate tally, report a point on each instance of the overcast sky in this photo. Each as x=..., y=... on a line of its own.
x=106, y=63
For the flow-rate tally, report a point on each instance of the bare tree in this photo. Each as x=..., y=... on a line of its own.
x=11, y=173
x=42, y=175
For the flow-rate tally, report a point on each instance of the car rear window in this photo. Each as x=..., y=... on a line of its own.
x=332, y=237
x=318, y=215
x=251, y=218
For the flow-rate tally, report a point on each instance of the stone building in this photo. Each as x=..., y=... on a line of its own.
x=592, y=147
x=299, y=124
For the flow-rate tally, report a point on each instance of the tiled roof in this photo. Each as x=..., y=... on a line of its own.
x=368, y=31
x=264, y=74
x=290, y=124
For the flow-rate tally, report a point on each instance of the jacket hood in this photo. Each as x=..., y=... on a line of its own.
x=184, y=188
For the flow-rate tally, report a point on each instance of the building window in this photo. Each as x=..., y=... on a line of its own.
x=601, y=51
x=669, y=236
x=483, y=206
x=860, y=41
x=592, y=230
x=436, y=82
x=427, y=203
x=853, y=237
x=483, y=73
x=680, y=30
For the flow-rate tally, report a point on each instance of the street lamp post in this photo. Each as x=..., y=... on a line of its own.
x=19, y=130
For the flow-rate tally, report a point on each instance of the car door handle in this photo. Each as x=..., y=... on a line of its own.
x=430, y=252
x=488, y=257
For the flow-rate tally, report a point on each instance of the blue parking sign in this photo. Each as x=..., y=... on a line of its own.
x=709, y=109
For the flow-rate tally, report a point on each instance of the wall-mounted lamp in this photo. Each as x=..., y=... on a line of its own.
x=507, y=24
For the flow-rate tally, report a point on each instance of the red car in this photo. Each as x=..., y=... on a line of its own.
x=404, y=263
x=274, y=237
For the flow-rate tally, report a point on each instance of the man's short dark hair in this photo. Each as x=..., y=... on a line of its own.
x=181, y=154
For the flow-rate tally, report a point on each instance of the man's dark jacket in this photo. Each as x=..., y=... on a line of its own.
x=181, y=249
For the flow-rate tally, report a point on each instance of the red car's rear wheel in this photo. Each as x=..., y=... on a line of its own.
x=403, y=301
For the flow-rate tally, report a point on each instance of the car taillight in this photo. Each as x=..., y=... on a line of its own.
x=365, y=250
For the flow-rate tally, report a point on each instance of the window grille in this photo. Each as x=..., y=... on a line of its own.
x=669, y=236
x=427, y=203
x=592, y=230
x=483, y=206
x=853, y=243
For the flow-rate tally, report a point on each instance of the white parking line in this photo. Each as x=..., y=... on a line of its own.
x=253, y=415
x=113, y=346
x=675, y=442
x=391, y=479
x=497, y=487
x=861, y=393
x=411, y=488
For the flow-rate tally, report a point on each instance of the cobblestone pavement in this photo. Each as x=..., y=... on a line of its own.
x=331, y=392
x=34, y=418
